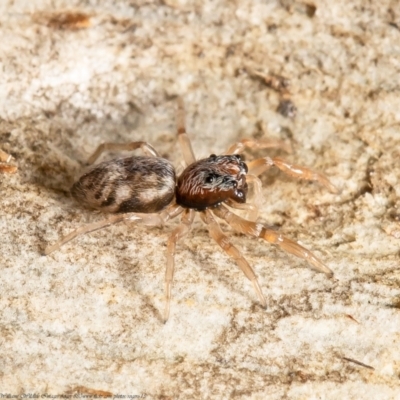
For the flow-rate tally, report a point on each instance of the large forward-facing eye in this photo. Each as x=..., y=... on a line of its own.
x=211, y=178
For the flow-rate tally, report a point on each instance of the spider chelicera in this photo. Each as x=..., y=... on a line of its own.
x=145, y=189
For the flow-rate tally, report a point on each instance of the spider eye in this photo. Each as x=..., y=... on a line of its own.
x=210, y=178
x=240, y=196
x=227, y=180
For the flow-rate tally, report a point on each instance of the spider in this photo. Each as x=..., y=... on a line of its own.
x=145, y=189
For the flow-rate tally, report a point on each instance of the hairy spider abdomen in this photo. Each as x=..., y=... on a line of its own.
x=132, y=184
x=211, y=181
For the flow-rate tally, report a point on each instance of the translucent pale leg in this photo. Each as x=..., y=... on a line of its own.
x=146, y=148
x=184, y=141
x=250, y=211
x=255, y=192
x=226, y=245
x=260, y=165
x=240, y=146
x=145, y=219
x=182, y=230
x=260, y=231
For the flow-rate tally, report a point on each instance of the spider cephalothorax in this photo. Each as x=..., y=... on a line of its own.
x=145, y=189
x=212, y=181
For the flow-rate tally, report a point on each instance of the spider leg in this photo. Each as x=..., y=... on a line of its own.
x=271, y=236
x=250, y=210
x=182, y=230
x=146, y=219
x=240, y=146
x=146, y=148
x=226, y=245
x=184, y=141
x=257, y=167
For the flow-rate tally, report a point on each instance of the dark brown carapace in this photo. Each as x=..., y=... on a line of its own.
x=145, y=190
x=212, y=181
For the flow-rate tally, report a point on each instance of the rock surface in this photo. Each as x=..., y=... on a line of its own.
x=87, y=318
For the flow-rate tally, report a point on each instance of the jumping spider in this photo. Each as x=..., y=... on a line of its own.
x=145, y=189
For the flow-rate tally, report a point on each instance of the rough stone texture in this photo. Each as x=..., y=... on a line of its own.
x=87, y=317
